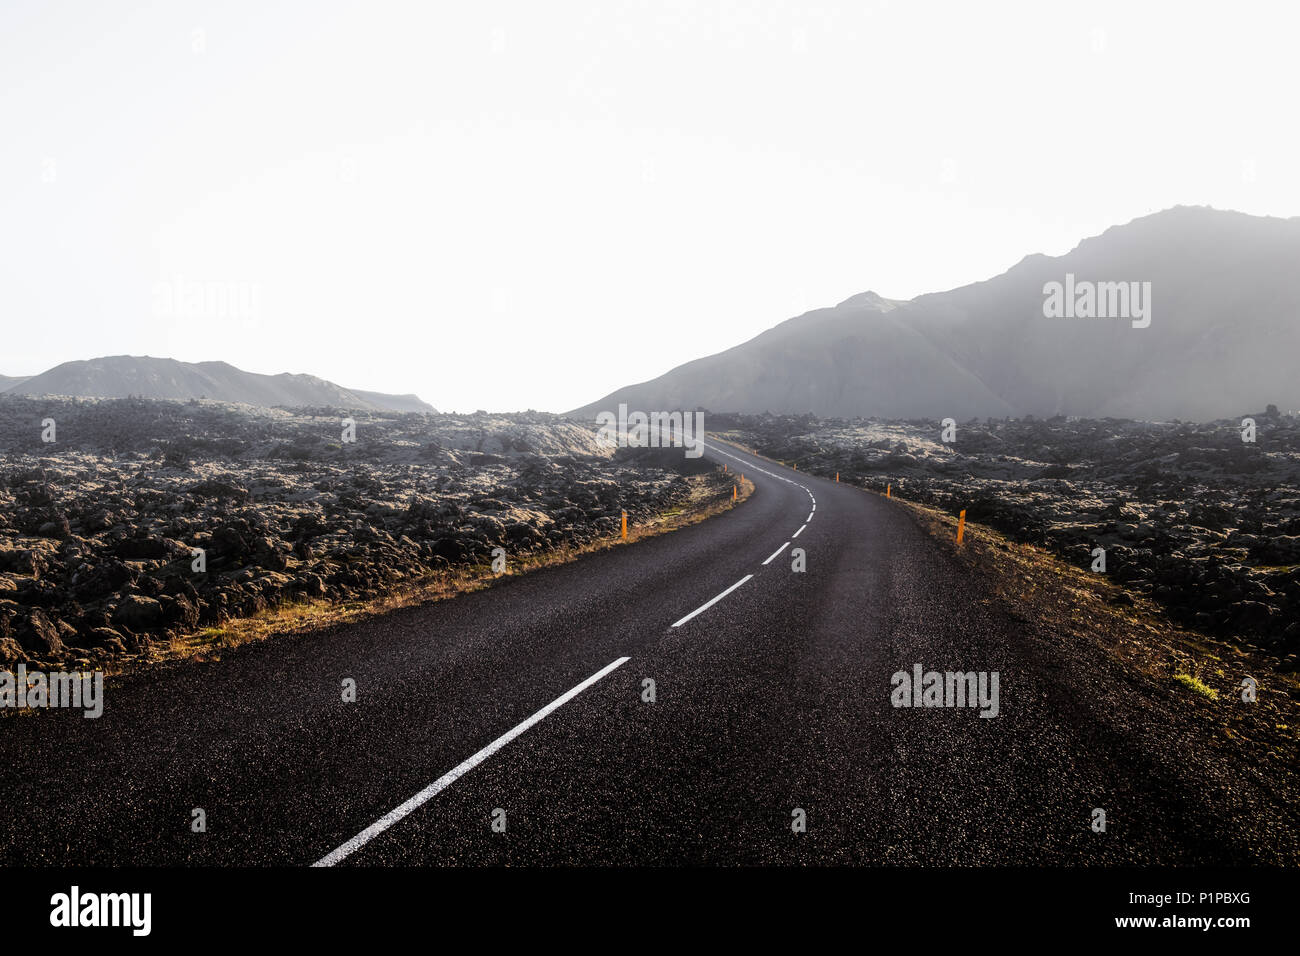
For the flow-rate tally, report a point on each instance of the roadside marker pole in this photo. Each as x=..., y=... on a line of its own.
x=733, y=492
x=888, y=489
x=837, y=477
x=961, y=525
x=625, y=525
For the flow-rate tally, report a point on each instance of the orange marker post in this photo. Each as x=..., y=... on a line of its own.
x=888, y=489
x=733, y=492
x=961, y=525
x=624, y=525
x=837, y=477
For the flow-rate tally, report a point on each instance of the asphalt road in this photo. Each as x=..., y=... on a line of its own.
x=527, y=698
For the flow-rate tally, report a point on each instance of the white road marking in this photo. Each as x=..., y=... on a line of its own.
x=751, y=465
x=704, y=607
x=447, y=779
x=760, y=470
x=778, y=551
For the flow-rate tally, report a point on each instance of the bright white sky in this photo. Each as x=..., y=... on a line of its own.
x=520, y=204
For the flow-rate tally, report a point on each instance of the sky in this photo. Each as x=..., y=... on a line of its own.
x=510, y=205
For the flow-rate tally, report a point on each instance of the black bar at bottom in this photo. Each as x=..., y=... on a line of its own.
x=330, y=906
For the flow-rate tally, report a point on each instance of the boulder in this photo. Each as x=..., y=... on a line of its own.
x=141, y=549
x=178, y=610
x=11, y=652
x=38, y=634
x=230, y=543
x=138, y=613
x=100, y=637
x=22, y=561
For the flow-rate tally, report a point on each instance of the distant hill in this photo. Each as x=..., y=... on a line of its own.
x=1224, y=333
x=394, y=403
x=121, y=375
x=9, y=381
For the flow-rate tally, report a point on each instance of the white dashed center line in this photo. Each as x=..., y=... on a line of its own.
x=704, y=607
x=778, y=551
x=790, y=481
x=447, y=779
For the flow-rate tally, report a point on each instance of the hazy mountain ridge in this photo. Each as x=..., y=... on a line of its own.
x=1223, y=333
x=119, y=376
x=394, y=403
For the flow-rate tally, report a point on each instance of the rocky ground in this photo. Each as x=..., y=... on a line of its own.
x=98, y=528
x=1190, y=515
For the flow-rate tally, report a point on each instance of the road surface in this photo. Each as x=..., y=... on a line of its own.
x=523, y=705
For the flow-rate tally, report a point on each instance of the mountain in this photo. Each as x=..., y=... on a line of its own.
x=9, y=381
x=121, y=375
x=1223, y=335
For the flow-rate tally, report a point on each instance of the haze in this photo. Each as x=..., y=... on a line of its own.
x=513, y=205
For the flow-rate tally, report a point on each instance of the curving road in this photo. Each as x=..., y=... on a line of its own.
x=771, y=695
